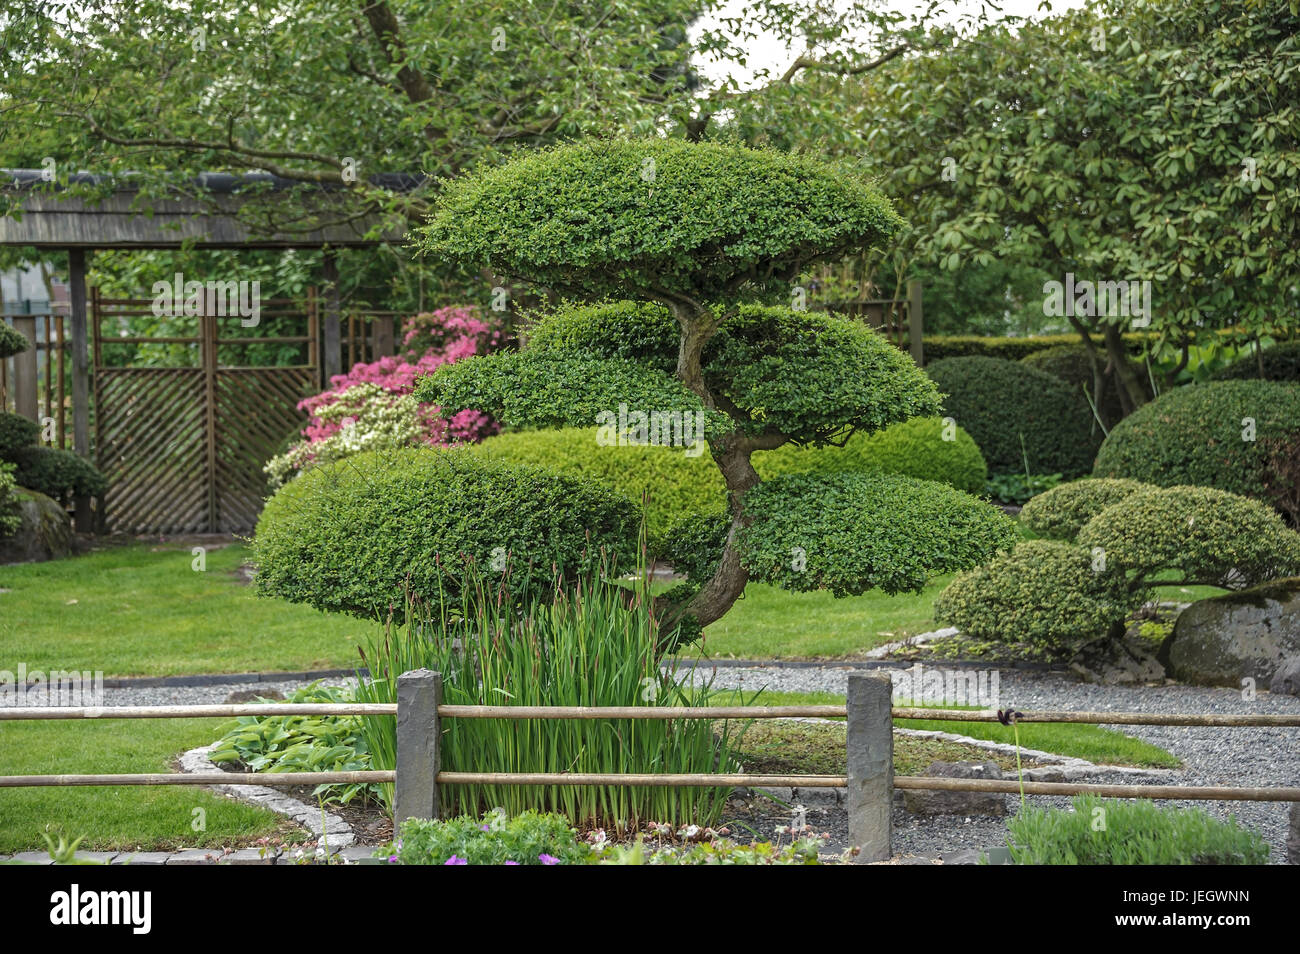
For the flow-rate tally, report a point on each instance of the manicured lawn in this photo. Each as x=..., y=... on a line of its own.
x=122, y=817
x=141, y=610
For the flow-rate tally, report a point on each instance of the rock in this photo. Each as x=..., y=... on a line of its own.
x=1118, y=662
x=920, y=802
x=45, y=533
x=242, y=696
x=1226, y=639
x=1287, y=678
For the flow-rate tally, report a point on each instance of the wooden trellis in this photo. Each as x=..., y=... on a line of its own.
x=183, y=444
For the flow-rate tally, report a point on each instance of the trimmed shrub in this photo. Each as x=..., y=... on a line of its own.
x=58, y=473
x=671, y=484
x=1206, y=536
x=1281, y=363
x=1199, y=434
x=16, y=432
x=1016, y=412
x=10, y=513
x=348, y=536
x=853, y=532
x=1061, y=512
x=11, y=342
x=1135, y=833
x=914, y=448
x=1044, y=592
x=1070, y=363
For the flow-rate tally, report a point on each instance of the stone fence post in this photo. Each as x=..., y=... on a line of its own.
x=871, y=765
x=415, y=791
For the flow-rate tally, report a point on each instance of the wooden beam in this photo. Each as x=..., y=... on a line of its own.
x=26, y=370
x=80, y=372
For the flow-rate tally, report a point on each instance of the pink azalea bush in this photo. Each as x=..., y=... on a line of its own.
x=371, y=405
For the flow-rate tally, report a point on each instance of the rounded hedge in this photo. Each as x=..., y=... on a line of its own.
x=1070, y=363
x=1045, y=592
x=348, y=536
x=853, y=532
x=1060, y=513
x=1199, y=434
x=914, y=448
x=1203, y=535
x=670, y=484
x=16, y=432
x=1002, y=403
x=11, y=342
x=58, y=473
x=1281, y=363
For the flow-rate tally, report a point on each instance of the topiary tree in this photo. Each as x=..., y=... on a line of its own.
x=16, y=433
x=1060, y=513
x=11, y=342
x=1215, y=435
x=687, y=237
x=57, y=473
x=1018, y=415
x=1072, y=365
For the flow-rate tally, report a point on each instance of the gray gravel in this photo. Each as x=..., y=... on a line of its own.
x=1212, y=756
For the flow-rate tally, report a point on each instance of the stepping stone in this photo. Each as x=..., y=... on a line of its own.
x=142, y=858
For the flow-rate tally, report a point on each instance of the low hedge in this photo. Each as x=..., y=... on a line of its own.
x=1060, y=513
x=59, y=474
x=1280, y=363
x=854, y=532
x=940, y=347
x=1043, y=592
x=1015, y=412
x=1197, y=435
x=914, y=448
x=349, y=536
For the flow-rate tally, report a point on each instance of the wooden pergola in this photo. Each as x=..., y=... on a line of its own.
x=202, y=213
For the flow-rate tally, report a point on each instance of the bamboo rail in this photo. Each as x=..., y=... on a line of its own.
x=196, y=712
x=641, y=712
x=1013, y=787
x=270, y=779
x=689, y=780
x=1106, y=718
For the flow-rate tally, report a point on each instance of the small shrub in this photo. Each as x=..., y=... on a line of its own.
x=1211, y=435
x=530, y=838
x=1114, y=832
x=11, y=342
x=914, y=448
x=1043, y=592
x=853, y=532
x=16, y=433
x=58, y=473
x=1060, y=513
x=1202, y=535
x=1070, y=363
x=10, y=514
x=356, y=535
x=714, y=851
x=1021, y=418
x=1015, y=488
x=1280, y=363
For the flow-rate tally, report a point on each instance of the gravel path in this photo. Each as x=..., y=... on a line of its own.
x=1212, y=756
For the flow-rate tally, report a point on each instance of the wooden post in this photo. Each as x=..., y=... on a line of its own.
x=331, y=359
x=384, y=345
x=80, y=372
x=61, y=390
x=415, y=791
x=871, y=766
x=915, y=322
x=208, y=354
x=25, y=370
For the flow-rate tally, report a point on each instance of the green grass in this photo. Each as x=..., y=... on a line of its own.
x=1103, y=746
x=140, y=818
x=142, y=610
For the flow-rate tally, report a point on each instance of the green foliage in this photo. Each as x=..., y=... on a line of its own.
x=588, y=644
x=1017, y=488
x=1060, y=513
x=1020, y=417
x=58, y=473
x=302, y=743
x=1070, y=363
x=715, y=851
x=672, y=484
x=16, y=432
x=11, y=342
x=914, y=448
x=1114, y=832
x=10, y=516
x=352, y=535
x=939, y=347
x=852, y=532
x=655, y=217
x=1199, y=435
x=1279, y=363
x=1043, y=592
x=1203, y=535
x=530, y=838
x=585, y=359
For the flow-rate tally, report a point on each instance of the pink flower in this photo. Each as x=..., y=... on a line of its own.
x=548, y=859
x=515, y=863
x=453, y=860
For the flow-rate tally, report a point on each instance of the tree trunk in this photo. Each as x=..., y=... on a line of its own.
x=1132, y=393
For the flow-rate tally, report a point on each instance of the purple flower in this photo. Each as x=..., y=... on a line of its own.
x=515, y=863
x=485, y=827
x=548, y=859
x=453, y=860
x=392, y=859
